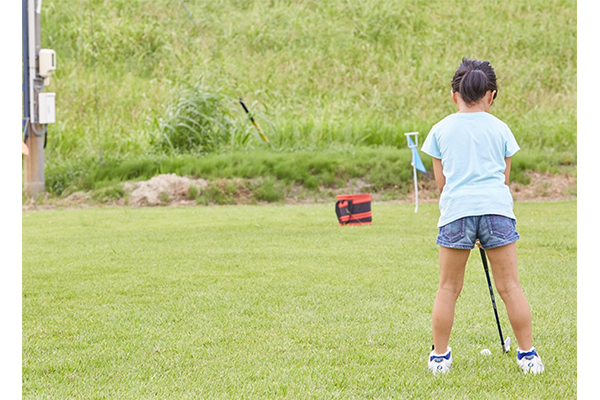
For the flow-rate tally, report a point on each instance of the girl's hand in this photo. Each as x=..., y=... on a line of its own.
x=438, y=173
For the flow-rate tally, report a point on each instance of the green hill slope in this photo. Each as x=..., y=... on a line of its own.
x=315, y=74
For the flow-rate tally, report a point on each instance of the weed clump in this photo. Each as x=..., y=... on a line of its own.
x=201, y=121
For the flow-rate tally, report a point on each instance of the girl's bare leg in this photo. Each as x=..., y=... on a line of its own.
x=503, y=261
x=452, y=273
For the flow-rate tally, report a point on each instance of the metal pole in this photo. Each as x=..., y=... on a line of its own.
x=412, y=146
x=25, y=63
x=34, y=162
x=489, y=282
x=416, y=189
x=33, y=50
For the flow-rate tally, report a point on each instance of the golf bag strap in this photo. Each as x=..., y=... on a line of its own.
x=343, y=210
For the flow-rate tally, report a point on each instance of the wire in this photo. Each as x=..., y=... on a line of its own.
x=39, y=133
x=95, y=86
x=196, y=27
x=43, y=132
x=25, y=132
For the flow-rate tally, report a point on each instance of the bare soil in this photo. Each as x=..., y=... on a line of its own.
x=174, y=190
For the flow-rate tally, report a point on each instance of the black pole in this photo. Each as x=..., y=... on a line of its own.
x=487, y=275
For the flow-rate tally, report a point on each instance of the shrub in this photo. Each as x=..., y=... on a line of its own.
x=200, y=122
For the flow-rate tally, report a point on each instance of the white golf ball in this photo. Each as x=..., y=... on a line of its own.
x=486, y=352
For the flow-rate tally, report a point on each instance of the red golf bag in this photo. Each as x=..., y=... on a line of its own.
x=353, y=209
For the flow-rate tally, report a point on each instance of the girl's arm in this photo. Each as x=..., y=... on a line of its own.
x=507, y=170
x=440, y=179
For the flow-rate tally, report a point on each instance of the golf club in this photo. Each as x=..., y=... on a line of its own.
x=505, y=344
x=260, y=132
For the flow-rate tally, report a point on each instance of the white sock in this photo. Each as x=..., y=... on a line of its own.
x=442, y=355
x=526, y=351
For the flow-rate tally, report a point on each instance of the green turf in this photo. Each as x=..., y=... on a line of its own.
x=262, y=302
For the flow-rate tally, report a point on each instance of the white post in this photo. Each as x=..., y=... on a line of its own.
x=413, y=146
x=416, y=189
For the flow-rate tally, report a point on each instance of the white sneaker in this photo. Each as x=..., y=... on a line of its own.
x=529, y=361
x=440, y=363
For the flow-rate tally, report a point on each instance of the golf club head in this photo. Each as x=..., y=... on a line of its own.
x=506, y=346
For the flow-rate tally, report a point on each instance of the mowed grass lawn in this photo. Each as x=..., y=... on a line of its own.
x=262, y=302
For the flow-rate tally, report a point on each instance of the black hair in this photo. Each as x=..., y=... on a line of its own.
x=473, y=79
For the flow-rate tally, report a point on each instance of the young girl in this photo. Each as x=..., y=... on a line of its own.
x=471, y=152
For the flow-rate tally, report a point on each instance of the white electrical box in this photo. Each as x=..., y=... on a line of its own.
x=47, y=60
x=46, y=110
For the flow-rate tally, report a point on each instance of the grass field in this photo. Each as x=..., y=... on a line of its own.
x=279, y=302
x=315, y=74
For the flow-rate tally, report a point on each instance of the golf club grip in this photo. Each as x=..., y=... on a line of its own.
x=249, y=114
x=244, y=105
x=489, y=281
x=483, y=259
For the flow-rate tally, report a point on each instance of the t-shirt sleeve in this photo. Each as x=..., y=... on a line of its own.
x=430, y=146
x=510, y=146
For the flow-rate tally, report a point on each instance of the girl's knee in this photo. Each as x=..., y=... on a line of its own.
x=451, y=288
x=506, y=289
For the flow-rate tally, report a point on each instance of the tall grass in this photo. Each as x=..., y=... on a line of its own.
x=200, y=122
x=316, y=74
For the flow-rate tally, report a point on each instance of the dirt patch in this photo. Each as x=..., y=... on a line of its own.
x=163, y=189
x=542, y=187
x=174, y=190
x=546, y=187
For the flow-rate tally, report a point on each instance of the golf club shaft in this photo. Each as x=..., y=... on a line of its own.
x=487, y=275
x=260, y=132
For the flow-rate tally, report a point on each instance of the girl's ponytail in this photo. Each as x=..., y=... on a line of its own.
x=473, y=79
x=473, y=86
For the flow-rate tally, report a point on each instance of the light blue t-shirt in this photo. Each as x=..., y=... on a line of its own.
x=472, y=147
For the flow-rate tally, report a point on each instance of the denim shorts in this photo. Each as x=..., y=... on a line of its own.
x=491, y=230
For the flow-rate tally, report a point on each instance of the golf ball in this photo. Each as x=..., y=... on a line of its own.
x=486, y=352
